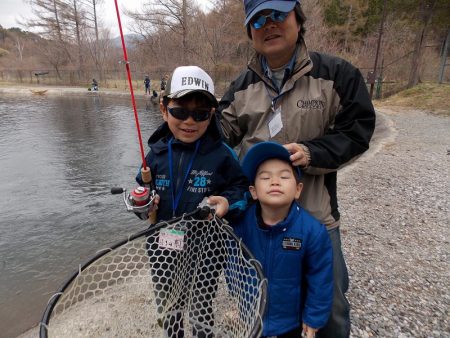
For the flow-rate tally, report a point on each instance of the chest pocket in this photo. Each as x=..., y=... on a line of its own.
x=289, y=259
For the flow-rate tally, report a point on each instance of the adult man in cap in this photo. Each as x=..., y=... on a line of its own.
x=316, y=105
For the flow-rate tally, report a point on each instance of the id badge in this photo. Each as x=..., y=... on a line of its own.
x=171, y=239
x=275, y=124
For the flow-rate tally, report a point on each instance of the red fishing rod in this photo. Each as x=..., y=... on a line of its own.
x=140, y=200
x=133, y=101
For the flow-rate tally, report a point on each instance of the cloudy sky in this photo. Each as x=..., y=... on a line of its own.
x=13, y=10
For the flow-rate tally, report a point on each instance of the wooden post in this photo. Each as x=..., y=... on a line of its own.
x=378, y=47
x=444, y=56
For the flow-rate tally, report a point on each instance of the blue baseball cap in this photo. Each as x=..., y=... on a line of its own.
x=262, y=152
x=254, y=6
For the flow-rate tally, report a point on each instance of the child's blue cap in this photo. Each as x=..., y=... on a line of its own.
x=262, y=152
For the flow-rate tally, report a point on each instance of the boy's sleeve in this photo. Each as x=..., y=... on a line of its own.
x=235, y=189
x=319, y=280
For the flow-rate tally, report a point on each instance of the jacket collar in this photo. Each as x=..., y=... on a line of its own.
x=303, y=64
x=212, y=138
x=281, y=226
x=287, y=69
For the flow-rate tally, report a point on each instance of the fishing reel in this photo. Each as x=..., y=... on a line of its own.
x=140, y=200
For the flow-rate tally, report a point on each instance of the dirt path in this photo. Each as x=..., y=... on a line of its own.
x=395, y=205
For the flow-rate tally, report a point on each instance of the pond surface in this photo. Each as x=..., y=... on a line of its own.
x=59, y=158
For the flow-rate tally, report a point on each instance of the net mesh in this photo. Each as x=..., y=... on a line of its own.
x=190, y=278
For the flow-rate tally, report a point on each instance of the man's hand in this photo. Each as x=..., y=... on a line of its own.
x=299, y=156
x=220, y=203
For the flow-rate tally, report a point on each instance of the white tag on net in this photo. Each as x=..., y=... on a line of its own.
x=171, y=239
x=275, y=124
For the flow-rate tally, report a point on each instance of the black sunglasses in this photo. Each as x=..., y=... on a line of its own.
x=260, y=19
x=198, y=115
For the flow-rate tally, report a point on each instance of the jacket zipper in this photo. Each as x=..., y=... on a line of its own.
x=268, y=267
x=179, y=178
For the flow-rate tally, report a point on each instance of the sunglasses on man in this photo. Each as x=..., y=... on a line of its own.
x=260, y=19
x=198, y=115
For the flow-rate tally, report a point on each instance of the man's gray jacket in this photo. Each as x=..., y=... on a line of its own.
x=324, y=105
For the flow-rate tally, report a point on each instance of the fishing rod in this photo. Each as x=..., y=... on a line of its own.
x=140, y=200
x=133, y=101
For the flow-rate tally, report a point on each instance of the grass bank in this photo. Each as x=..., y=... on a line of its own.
x=430, y=97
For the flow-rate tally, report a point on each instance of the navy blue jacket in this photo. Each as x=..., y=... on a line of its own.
x=297, y=260
x=215, y=171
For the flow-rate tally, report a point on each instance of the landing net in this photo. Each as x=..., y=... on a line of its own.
x=187, y=277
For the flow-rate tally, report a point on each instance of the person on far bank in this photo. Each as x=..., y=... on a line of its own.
x=147, y=84
x=294, y=249
x=94, y=85
x=315, y=104
x=163, y=82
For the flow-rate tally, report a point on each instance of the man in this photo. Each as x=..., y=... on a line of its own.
x=147, y=84
x=316, y=105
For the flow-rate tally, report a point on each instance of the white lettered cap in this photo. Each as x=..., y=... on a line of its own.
x=188, y=79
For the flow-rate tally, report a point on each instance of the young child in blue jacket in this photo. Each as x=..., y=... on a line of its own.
x=292, y=246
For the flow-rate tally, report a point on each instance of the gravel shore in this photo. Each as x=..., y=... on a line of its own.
x=395, y=207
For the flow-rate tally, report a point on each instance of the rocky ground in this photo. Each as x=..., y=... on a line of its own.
x=395, y=206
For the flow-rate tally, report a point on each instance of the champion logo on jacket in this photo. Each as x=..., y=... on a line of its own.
x=311, y=104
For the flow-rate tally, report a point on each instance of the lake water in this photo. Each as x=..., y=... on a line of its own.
x=59, y=157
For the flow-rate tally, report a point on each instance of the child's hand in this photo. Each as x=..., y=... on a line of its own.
x=220, y=203
x=156, y=201
x=153, y=207
x=308, y=332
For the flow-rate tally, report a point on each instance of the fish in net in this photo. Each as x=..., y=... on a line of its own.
x=188, y=277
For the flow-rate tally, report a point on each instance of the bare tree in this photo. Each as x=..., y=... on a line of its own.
x=172, y=16
x=426, y=13
x=52, y=53
x=90, y=14
x=49, y=22
x=221, y=35
x=99, y=50
x=72, y=15
x=3, y=34
x=19, y=44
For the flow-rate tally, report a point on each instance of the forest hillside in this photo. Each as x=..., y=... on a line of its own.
x=67, y=43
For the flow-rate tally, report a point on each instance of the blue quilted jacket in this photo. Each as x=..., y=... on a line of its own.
x=296, y=256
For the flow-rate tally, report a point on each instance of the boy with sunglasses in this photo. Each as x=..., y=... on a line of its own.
x=187, y=158
x=188, y=162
